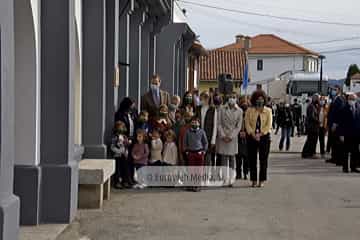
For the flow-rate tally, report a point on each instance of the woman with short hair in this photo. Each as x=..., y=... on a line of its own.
x=258, y=124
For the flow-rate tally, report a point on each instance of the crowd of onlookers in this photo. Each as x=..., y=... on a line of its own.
x=340, y=121
x=336, y=116
x=199, y=129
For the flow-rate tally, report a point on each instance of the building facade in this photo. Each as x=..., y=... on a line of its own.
x=65, y=66
x=269, y=56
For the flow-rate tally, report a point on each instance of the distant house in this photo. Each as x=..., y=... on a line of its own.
x=270, y=55
x=218, y=62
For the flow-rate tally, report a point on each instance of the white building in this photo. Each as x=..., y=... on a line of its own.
x=270, y=55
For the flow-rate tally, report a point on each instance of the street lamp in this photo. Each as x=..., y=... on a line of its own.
x=322, y=57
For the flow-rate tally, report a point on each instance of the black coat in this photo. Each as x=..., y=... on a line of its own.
x=335, y=108
x=312, y=119
x=349, y=122
x=285, y=118
x=124, y=117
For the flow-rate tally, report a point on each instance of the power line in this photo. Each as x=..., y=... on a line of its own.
x=271, y=16
x=332, y=41
x=341, y=50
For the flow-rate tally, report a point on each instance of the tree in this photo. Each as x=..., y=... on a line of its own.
x=353, y=69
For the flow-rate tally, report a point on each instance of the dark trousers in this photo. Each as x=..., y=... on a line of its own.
x=263, y=148
x=329, y=141
x=352, y=150
x=337, y=150
x=309, y=148
x=123, y=170
x=322, y=133
x=298, y=128
x=242, y=164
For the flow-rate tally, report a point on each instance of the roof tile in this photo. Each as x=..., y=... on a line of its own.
x=222, y=62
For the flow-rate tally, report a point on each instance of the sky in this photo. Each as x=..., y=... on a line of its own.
x=217, y=27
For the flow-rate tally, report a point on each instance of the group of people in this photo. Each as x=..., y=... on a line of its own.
x=287, y=117
x=201, y=129
x=340, y=121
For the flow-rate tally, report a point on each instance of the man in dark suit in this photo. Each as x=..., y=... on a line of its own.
x=155, y=97
x=312, y=127
x=348, y=124
x=338, y=103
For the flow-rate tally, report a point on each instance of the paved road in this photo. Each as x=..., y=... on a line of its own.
x=304, y=199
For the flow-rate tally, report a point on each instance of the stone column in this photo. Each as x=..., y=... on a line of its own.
x=136, y=23
x=59, y=177
x=112, y=29
x=145, y=56
x=9, y=204
x=125, y=11
x=27, y=110
x=94, y=78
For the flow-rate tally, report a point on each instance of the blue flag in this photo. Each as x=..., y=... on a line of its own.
x=246, y=77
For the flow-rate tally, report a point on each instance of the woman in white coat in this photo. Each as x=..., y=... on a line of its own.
x=230, y=120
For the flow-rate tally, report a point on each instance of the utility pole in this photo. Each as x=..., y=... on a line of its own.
x=322, y=57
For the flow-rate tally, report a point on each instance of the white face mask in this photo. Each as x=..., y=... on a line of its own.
x=203, y=103
x=154, y=87
x=232, y=101
x=352, y=103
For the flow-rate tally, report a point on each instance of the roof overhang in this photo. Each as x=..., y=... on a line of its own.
x=197, y=49
x=158, y=7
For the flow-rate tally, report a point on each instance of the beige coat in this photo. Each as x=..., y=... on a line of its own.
x=229, y=125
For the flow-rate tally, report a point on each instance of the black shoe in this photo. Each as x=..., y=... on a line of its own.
x=118, y=186
x=330, y=161
x=245, y=177
x=355, y=170
x=345, y=171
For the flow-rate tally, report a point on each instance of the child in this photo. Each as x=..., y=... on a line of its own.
x=179, y=121
x=170, y=153
x=156, y=147
x=173, y=107
x=187, y=125
x=195, y=145
x=143, y=122
x=140, y=152
x=119, y=147
x=162, y=122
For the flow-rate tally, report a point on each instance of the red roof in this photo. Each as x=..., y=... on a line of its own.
x=222, y=62
x=271, y=44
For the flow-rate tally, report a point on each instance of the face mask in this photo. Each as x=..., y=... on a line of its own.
x=163, y=114
x=142, y=120
x=259, y=103
x=121, y=130
x=217, y=101
x=154, y=87
x=172, y=107
x=203, y=103
x=322, y=103
x=232, y=101
x=244, y=107
x=188, y=100
x=333, y=92
x=352, y=103
x=195, y=126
